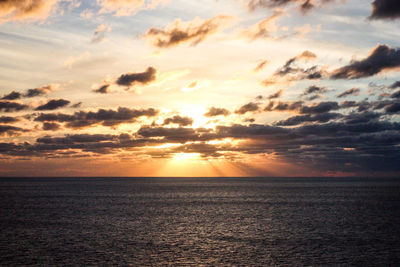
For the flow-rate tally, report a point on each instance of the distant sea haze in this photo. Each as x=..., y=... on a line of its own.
x=200, y=221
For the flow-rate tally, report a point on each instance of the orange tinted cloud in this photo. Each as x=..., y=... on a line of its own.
x=26, y=9
x=126, y=7
x=179, y=32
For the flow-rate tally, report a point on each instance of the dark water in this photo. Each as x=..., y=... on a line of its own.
x=193, y=221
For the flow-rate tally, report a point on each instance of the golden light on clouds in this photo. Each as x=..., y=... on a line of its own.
x=199, y=88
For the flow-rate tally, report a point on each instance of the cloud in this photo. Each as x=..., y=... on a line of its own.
x=313, y=89
x=103, y=89
x=82, y=119
x=40, y=90
x=381, y=58
x=180, y=135
x=127, y=7
x=179, y=32
x=28, y=10
x=54, y=104
x=364, y=117
x=100, y=33
x=191, y=87
x=395, y=85
x=385, y=9
x=51, y=126
x=321, y=107
x=249, y=107
x=304, y=5
x=393, y=108
x=300, y=107
x=324, y=141
x=307, y=55
x=12, y=96
x=30, y=92
x=351, y=91
x=8, y=106
x=262, y=29
x=6, y=119
x=292, y=72
x=213, y=112
x=261, y=65
x=284, y=106
x=289, y=68
x=130, y=79
x=11, y=130
x=275, y=95
x=321, y=118
x=396, y=94
x=181, y=121
x=76, y=105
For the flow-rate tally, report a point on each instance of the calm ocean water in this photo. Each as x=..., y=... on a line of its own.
x=200, y=221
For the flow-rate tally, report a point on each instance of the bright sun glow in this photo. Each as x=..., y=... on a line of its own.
x=186, y=156
x=197, y=113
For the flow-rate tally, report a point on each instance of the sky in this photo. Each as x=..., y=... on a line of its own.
x=199, y=88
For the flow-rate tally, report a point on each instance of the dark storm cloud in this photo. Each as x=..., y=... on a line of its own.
x=181, y=121
x=51, y=126
x=102, y=89
x=296, y=120
x=192, y=32
x=105, y=117
x=381, y=58
x=6, y=119
x=385, y=9
x=7, y=106
x=213, y=112
x=54, y=104
x=275, y=95
x=249, y=107
x=130, y=79
x=351, y=91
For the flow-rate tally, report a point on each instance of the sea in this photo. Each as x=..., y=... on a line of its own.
x=199, y=221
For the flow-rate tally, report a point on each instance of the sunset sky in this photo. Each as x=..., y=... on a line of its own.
x=199, y=88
